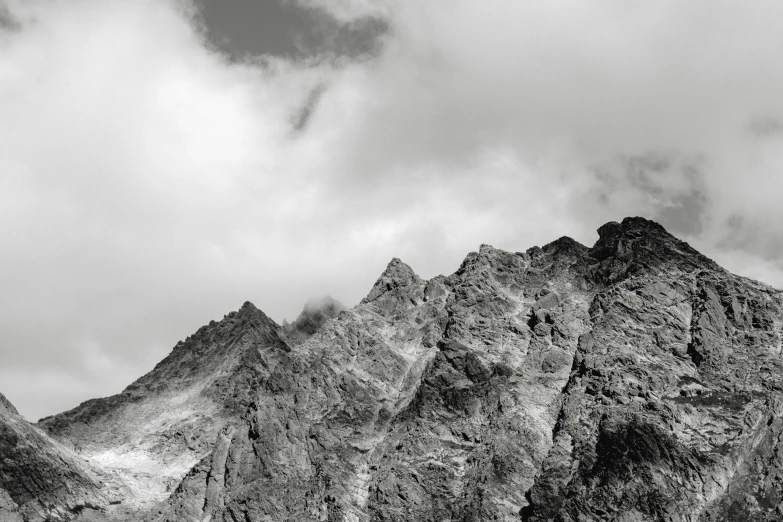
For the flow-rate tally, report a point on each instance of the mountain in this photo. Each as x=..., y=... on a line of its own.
x=635, y=380
x=163, y=424
x=40, y=479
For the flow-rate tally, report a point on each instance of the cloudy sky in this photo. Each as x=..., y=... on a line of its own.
x=162, y=161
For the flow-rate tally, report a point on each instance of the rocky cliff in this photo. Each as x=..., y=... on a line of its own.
x=632, y=381
x=40, y=479
x=160, y=426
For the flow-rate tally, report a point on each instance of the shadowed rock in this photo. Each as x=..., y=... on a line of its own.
x=42, y=480
x=634, y=380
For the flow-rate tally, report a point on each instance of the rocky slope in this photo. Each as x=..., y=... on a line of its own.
x=42, y=480
x=162, y=425
x=632, y=381
x=672, y=408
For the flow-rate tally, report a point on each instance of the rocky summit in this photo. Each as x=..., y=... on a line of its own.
x=632, y=381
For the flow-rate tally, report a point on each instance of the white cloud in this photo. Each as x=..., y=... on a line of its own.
x=148, y=184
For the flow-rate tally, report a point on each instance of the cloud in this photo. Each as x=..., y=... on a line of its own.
x=668, y=110
x=351, y=11
x=150, y=183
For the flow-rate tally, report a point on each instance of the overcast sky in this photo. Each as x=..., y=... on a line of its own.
x=162, y=161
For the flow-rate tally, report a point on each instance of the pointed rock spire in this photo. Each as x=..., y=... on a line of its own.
x=397, y=274
x=248, y=311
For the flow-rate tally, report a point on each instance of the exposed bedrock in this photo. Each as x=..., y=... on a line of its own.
x=632, y=381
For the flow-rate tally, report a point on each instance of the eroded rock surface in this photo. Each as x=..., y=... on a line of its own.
x=671, y=411
x=162, y=425
x=42, y=480
x=632, y=381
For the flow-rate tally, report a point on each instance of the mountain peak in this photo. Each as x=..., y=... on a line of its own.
x=631, y=226
x=638, y=244
x=6, y=405
x=248, y=309
x=248, y=306
x=485, y=249
x=607, y=354
x=565, y=245
x=396, y=264
x=397, y=274
x=250, y=313
x=621, y=239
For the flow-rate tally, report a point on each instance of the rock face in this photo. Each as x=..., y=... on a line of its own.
x=632, y=381
x=160, y=426
x=42, y=480
x=671, y=410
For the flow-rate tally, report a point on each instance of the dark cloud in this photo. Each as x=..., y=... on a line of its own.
x=286, y=28
x=765, y=127
x=7, y=21
x=303, y=114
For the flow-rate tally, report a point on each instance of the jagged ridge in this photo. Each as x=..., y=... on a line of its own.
x=633, y=380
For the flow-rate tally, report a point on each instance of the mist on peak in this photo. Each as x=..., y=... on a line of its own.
x=316, y=312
